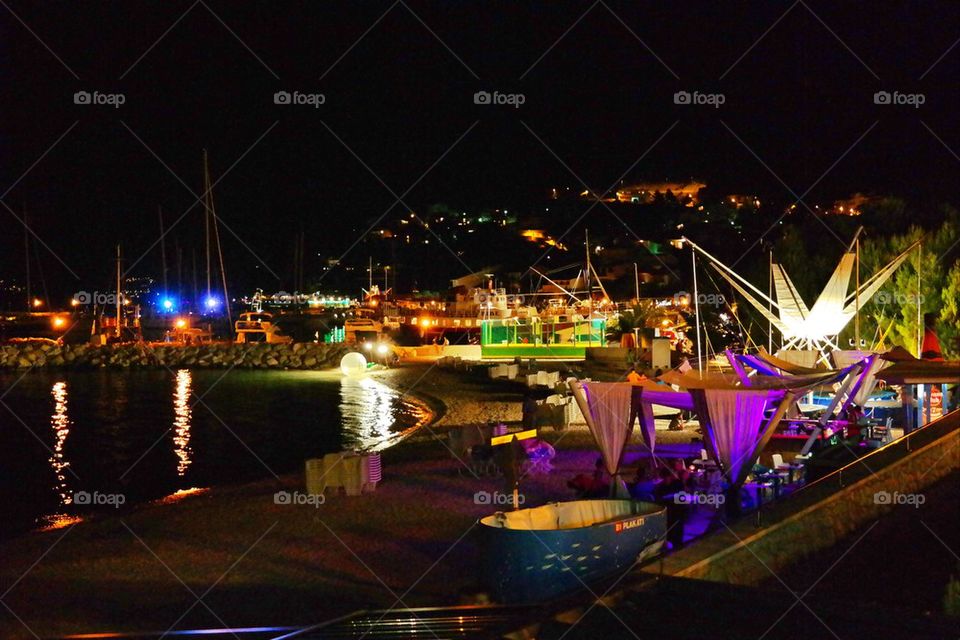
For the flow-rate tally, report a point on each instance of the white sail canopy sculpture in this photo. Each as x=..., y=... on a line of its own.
x=815, y=327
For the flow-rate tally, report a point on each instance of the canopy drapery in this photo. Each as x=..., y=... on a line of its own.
x=733, y=421
x=607, y=409
x=868, y=376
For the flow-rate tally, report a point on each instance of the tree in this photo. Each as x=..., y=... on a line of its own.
x=893, y=311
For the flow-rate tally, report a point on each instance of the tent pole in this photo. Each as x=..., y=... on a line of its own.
x=696, y=308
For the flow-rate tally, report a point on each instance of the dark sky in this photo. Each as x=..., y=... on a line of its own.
x=798, y=82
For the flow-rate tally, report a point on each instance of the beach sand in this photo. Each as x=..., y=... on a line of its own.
x=231, y=556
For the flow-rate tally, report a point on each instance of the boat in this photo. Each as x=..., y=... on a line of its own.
x=362, y=328
x=541, y=553
x=258, y=326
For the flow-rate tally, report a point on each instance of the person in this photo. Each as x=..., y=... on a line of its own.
x=635, y=378
x=644, y=485
x=854, y=415
x=446, y=341
x=529, y=411
x=658, y=373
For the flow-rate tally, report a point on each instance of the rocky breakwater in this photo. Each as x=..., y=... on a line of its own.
x=301, y=355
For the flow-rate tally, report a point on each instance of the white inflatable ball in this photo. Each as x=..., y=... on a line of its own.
x=353, y=364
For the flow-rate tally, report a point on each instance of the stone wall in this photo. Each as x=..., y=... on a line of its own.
x=301, y=355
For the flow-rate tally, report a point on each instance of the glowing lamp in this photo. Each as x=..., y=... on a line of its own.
x=211, y=302
x=382, y=349
x=167, y=304
x=367, y=346
x=74, y=302
x=37, y=302
x=353, y=365
x=180, y=323
x=59, y=322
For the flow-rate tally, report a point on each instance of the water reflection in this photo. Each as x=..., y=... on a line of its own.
x=181, y=420
x=60, y=424
x=367, y=407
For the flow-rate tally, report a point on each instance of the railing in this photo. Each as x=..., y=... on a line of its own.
x=867, y=465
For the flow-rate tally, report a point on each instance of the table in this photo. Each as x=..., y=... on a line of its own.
x=355, y=472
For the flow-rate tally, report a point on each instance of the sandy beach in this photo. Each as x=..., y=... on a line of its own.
x=231, y=556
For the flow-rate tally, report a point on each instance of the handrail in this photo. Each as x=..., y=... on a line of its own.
x=920, y=437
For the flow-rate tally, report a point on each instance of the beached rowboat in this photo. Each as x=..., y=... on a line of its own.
x=543, y=552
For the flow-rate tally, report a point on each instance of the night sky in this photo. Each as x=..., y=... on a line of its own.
x=598, y=81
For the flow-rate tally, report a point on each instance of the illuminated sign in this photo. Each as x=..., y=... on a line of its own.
x=521, y=435
x=620, y=527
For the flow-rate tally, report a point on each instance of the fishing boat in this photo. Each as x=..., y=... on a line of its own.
x=544, y=552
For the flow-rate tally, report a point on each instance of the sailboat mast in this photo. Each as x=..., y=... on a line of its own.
x=163, y=250
x=118, y=296
x=206, y=214
x=586, y=237
x=216, y=238
x=26, y=255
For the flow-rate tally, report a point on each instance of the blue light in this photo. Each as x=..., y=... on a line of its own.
x=167, y=304
x=212, y=302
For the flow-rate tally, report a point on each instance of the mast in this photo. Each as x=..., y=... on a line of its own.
x=118, y=296
x=26, y=255
x=208, y=189
x=586, y=236
x=636, y=280
x=206, y=215
x=163, y=250
x=370, y=274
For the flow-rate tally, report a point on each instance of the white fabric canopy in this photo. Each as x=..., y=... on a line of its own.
x=606, y=408
x=733, y=420
x=868, y=377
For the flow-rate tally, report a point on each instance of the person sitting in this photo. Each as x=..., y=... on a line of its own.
x=633, y=377
x=644, y=485
x=668, y=485
x=854, y=417
x=591, y=487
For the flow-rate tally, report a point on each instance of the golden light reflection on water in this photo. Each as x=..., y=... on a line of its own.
x=367, y=410
x=181, y=420
x=60, y=424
